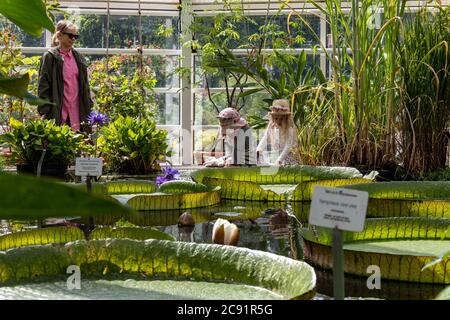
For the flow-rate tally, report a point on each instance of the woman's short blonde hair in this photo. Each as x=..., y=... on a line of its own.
x=60, y=27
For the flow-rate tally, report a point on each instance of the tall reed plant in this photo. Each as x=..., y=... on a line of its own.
x=425, y=89
x=356, y=108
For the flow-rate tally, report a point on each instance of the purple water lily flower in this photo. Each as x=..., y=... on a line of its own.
x=171, y=172
x=99, y=119
x=169, y=175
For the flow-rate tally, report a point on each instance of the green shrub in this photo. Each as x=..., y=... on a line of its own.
x=132, y=145
x=121, y=93
x=27, y=140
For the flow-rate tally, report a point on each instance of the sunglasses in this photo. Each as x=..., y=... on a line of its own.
x=71, y=35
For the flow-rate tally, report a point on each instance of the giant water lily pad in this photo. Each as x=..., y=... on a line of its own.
x=395, y=264
x=444, y=294
x=406, y=190
x=128, y=187
x=155, y=259
x=431, y=208
x=401, y=247
x=144, y=195
x=304, y=190
x=245, y=190
x=280, y=184
x=410, y=247
x=137, y=290
x=54, y=235
x=407, y=198
x=277, y=175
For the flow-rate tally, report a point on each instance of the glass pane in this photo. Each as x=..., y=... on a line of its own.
x=123, y=31
x=248, y=31
x=169, y=108
x=164, y=68
x=92, y=31
x=216, y=79
x=174, y=142
x=160, y=32
x=205, y=113
x=204, y=140
x=21, y=38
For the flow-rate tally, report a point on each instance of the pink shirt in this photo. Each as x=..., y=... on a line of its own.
x=70, y=103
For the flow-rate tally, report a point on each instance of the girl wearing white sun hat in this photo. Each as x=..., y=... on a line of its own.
x=279, y=144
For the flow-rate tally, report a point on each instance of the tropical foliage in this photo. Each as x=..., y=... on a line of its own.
x=118, y=93
x=132, y=145
x=28, y=140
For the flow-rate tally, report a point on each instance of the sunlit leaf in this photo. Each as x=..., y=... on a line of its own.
x=29, y=15
x=26, y=197
x=164, y=259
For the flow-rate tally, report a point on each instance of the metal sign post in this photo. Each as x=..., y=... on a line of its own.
x=88, y=167
x=338, y=265
x=338, y=209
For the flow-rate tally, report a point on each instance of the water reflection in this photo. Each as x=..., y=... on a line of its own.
x=390, y=289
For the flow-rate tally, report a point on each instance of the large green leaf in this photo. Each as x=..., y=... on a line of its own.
x=26, y=197
x=130, y=233
x=131, y=289
x=16, y=87
x=180, y=186
x=401, y=247
x=129, y=187
x=444, y=294
x=243, y=190
x=158, y=258
x=407, y=198
x=54, y=235
x=30, y=15
x=304, y=190
x=408, y=208
x=40, y=236
x=274, y=175
x=404, y=265
x=406, y=190
x=411, y=247
x=387, y=229
x=162, y=201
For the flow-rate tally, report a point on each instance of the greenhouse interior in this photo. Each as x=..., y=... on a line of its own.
x=225, y=150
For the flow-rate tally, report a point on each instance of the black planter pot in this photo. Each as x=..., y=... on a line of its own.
x=48, y=170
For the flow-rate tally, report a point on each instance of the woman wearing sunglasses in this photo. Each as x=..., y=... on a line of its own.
x=63, y=80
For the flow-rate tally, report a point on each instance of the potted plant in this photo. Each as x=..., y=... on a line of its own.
x=132, y=145
x=41, y=145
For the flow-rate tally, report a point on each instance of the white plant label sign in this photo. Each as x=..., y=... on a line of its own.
x=344, y=209
x=88, y=167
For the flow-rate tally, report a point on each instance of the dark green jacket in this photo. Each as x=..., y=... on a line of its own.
x=51, y=86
